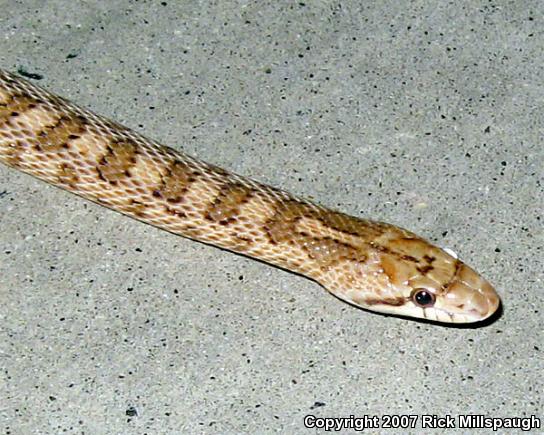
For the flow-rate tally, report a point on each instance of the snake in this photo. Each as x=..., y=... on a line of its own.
x=370, y=264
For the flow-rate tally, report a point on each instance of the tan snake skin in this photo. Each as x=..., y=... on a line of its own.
x=370, y=264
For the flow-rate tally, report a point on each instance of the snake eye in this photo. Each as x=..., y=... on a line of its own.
x=423, y=298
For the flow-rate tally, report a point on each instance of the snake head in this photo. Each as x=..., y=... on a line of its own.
x=407, y=276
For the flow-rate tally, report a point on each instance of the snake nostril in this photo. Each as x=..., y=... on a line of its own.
x=423, y=298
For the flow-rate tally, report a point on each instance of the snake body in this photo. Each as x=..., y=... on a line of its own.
x=374, y=265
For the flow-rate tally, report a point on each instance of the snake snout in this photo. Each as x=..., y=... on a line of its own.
x=471, y=298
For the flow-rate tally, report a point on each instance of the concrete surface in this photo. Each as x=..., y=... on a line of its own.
x=425, y=114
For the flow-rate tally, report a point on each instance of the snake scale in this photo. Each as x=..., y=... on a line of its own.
x=373, y=265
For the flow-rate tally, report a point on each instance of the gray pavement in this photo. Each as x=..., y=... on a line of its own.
x=425, y=114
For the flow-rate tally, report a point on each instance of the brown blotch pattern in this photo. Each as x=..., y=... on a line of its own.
x=17, y=133
x=328, y=251
x=325, y=250
x=351, y=225
x=424, y=270
x=57, y=137
x=13, y=108
x=178, y=213
x=68, y=175
x=175, y=182
x=226, y=207
x=135, y=208
x=282, y=226
x=116, y=164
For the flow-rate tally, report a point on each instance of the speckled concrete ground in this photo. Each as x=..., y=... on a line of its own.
x=428, y=115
